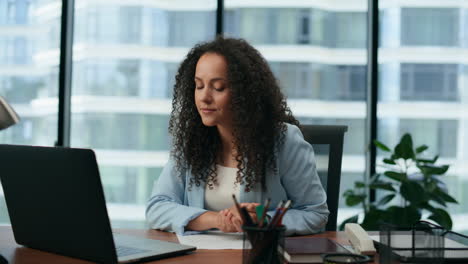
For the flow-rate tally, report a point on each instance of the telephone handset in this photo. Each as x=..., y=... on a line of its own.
x=359, y=239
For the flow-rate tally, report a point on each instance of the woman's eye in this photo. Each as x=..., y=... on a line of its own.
x=219, y=89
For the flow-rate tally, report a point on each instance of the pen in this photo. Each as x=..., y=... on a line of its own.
x=265, y=209
x=248, y=219
x=283, y=211
x=276, y=215
x=259, y=210
x=244, y=220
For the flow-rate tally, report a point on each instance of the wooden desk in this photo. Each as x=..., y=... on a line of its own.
x=17, y=254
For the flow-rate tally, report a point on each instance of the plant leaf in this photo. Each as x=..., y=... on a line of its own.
x=403, y=216
x=359, y=184
x=381, y=146
x=427, y=206
x=442, y=218
x=389, y=161
x=413, y=192
x=431, y=186
x=373, y=218
x=431, y=161
x=352, y=219
x=404, y=149
x=421, y=149
x=397, y=176
x=430, y=169
x=382, y=185
x=385, y=199
x=354, y=199
x=436, y=198
x=445, y=196
x=425, y=161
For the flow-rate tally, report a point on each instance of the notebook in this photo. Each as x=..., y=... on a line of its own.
x=56, y=203
x=309, y=249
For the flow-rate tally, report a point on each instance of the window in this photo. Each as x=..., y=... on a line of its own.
x=28, y=83
x=422, y=91
x=433, y=82
x=344, y=82
x=319, y=91
x=346, y=29
x=122, y=88
x=304, y=27
x=441, y=135
x=186, y=28
x=130, y=24
x=429, y=26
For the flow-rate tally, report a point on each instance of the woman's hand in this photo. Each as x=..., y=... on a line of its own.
x=227, y=222
x=250, y=209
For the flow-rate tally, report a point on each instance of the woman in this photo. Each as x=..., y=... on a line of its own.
x=233, y=133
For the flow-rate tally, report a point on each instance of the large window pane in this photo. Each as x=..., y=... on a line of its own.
x=126, y=56
x=29, y=41
x=424, y=84
x=317, y=52
x=429, y=26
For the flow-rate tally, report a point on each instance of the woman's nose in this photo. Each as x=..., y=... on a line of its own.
x=206, y=95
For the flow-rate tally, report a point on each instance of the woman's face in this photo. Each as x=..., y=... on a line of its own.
x=212, y=94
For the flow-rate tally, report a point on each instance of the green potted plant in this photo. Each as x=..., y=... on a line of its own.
x=411, y=185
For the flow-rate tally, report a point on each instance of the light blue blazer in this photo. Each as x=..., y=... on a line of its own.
x=172, y=206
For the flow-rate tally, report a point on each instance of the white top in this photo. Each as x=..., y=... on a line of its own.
x=220, y=197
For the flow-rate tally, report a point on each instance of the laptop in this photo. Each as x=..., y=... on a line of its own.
x=56, y=203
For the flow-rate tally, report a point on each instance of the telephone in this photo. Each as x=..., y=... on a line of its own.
x=359, y=239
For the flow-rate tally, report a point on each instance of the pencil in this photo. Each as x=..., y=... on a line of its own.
x=283, y=211
x=248, y=219
x=244, y=220
x=265, y=209
x=276, y=215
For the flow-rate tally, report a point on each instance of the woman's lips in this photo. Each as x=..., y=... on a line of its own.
x=207, y=110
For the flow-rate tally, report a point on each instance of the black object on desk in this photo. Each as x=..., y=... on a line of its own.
x=261, y=244
x=424, y=242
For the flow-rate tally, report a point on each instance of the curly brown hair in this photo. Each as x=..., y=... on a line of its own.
x=259, y=115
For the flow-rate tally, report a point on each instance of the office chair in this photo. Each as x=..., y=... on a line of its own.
x=327, y=142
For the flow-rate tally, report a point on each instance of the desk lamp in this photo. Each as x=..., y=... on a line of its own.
x=8, y=116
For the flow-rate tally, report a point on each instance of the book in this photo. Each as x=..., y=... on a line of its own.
x=309, y=249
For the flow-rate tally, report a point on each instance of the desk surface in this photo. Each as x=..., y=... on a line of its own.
x=15, y=253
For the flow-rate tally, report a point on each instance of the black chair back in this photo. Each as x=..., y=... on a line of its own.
x=327, y=141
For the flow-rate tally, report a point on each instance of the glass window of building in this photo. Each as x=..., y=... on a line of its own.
x=123, y=75
x=423, y=86
x=322, y=86
x=429, y=26
x=431, y=82
x=28, y=79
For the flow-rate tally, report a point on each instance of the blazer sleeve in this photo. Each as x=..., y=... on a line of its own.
x=298, y=174
x=167, y=208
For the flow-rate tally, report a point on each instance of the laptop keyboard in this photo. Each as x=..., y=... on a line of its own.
x=123, y=251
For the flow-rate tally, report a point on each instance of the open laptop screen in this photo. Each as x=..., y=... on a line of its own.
x=56, y=202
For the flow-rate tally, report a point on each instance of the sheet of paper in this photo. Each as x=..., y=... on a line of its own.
x=213, y=240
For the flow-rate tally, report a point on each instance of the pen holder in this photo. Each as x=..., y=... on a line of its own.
x=261, y=245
